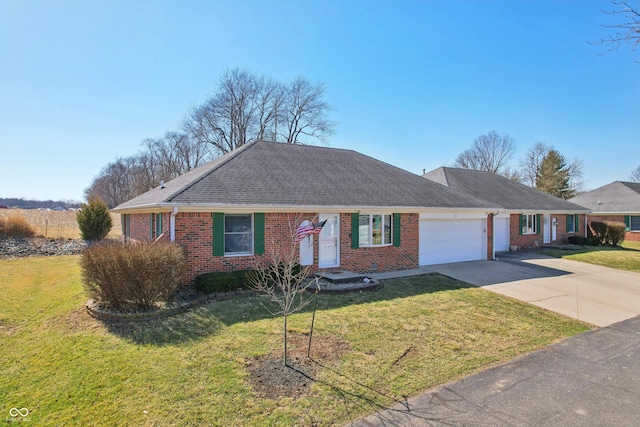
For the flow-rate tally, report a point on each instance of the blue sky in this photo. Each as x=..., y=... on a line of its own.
x=412, y=82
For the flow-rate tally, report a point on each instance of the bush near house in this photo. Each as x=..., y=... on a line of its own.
x=132, y=276
x=608, y=232
x=221, y=281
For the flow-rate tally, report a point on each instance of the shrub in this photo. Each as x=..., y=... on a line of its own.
x=132, y=276
x=221, y=281
x=94, y=220
x=599, y=231
x=16, y=226
x=608, y=233
x=577, y=240
x=616, y=233
x=592, y=241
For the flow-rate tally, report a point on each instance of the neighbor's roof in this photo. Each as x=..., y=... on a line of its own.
x=271, y=174
x=618, y=197
x=505, y=192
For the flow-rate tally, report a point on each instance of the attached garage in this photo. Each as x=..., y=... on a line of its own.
x=501, y=234
x=444, y=240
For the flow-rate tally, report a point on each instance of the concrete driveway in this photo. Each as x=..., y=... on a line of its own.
x=598, y=295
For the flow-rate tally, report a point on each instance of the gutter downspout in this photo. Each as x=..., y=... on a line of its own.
x=172, y=224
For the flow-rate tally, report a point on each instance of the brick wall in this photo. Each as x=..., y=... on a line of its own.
x=490, y=236
x=381, y=258
x=631, y=236
x=533, y=241
x=194, y=231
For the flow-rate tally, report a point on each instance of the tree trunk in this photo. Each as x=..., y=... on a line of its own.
x=285, y=340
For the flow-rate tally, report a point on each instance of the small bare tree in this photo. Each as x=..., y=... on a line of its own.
x=282, y=279
x=635, y=175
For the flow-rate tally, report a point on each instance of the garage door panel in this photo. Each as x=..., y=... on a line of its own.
x=443, y=241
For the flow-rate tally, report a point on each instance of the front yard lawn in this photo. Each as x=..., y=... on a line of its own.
x=626, y=257
x=195, y=368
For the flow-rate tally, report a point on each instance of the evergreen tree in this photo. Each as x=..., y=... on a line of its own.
x=553, y=176
x=94, y=220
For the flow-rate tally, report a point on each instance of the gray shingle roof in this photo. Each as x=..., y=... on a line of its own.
x=617, y=197
x=277, y=174
x=500, y=190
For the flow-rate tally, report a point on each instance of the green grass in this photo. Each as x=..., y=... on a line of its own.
x=626, y=257
x=413, y=334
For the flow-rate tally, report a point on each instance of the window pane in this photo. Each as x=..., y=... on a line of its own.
x=570, y=227
x=364, y=232
x=635, y=223
x=237, y=223
x=237, y=243
x=387, y=229
x=377, y=229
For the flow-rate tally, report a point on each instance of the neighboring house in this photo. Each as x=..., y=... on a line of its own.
x=527, y=218
x=230, y=213
x=618, y=202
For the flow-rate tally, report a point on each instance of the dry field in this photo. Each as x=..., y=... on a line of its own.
x=56, y=224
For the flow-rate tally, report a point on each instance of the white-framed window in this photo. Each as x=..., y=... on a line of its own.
x=529, y=224
x=634, y=223
x=375, y=230
x=238, y=234
x=572, y=223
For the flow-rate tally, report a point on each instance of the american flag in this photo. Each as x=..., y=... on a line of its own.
x=306, y=230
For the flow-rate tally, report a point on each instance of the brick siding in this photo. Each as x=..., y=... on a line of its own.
x=534, y=241
x=194, y=231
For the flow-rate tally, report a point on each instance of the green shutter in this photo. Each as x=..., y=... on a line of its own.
x=539, y=225
x=627, y=222
x=218, y=233
x=150, y=226
x=521, y=219
x=576, y=223
x=566, y=224
x=355, y=230
x=396, y=229
x=258, y=233
x=158, y=224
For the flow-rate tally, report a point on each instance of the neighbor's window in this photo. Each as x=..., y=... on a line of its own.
x=634, y=223
x=126, y=227
x=572, y=223
x=375, y=230
x=238, y=234
x=529, y=224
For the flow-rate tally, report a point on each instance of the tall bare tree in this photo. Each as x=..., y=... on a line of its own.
x=627, y=31
x=635, y=175
x=490, y=152
x=248, y=107
x=305, y=112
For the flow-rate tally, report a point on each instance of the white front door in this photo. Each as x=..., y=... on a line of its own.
x=329, y=242
x=546, y=232
x=500, y=234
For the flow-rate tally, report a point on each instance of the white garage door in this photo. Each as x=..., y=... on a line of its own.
x=443, y=241
x=501, y=234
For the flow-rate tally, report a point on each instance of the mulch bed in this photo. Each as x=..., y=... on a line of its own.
x=272, y=380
